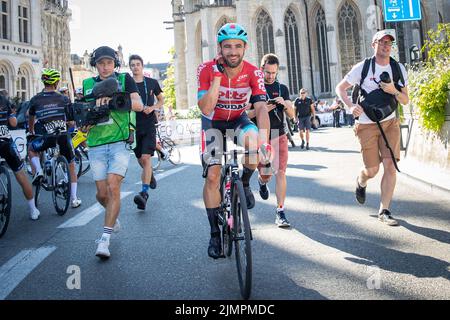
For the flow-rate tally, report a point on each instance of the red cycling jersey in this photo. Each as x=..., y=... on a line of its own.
x=234, y=94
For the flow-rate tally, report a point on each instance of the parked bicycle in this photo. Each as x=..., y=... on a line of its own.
x=167, y=144
x=56, y=179
x=289, y=128
x=82, y=164
x=5, y=197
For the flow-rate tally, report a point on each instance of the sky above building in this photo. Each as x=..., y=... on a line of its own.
x=137, y=25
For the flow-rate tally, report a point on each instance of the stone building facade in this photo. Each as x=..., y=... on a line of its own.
x=317, y=41
x=33, y=34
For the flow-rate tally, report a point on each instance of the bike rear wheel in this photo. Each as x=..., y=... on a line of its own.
x=156, y=160
x=62, y=186
x=5, y=199
x=172, y=149
x=242, y=239
x=82, y=164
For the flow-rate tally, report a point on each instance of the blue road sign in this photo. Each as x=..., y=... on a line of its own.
x=402, y=10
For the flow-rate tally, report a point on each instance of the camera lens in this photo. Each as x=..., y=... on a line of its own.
x=385, y=77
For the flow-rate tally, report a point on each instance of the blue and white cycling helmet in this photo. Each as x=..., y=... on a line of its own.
x=232, y=31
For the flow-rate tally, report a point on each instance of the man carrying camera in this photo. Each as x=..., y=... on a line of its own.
x=145, y=127
x=107, y=141
x=49, y=113
x=278, y=103
x=374, y=78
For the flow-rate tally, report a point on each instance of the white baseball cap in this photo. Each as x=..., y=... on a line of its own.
x=381, y=34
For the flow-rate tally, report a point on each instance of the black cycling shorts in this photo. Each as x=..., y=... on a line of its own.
x=9, y=152
x=212, y=137
x=145, y=142
x=64, y=141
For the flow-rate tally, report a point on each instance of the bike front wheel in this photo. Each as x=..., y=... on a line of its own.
x=5, y=199
x=61, y=186
x=242, y=239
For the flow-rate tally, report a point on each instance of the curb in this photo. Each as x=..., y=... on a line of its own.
x=432, y=188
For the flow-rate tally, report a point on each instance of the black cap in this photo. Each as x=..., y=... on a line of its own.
x=104, y=52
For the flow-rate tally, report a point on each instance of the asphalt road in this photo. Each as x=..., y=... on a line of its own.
x=336, y=249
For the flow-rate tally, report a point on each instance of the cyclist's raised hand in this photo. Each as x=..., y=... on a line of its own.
x=218, y=68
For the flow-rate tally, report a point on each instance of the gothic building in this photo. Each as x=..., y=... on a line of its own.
x=33, y=34
x=318, y=41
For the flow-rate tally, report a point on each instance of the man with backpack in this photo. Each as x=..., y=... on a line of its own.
x=377, y=126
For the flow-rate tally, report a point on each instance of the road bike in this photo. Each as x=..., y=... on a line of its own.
x=174, y=155
x=234, y=222
x=5, y=197
x=56, y=179
x=81, y=159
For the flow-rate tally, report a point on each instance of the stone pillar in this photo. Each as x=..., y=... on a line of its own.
x=180, y=65
x=14, y=21
x=330, y=8
x=190, y=58
x=35, y=23
x=280, y=43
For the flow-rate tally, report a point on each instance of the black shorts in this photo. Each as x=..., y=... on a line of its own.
x=213, y=139
x=9, y=152
x=145, y=142
x=64, y=141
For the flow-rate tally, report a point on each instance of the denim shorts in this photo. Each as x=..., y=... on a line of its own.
x=109, y=159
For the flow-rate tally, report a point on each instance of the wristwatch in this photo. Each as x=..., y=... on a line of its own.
x=397, y=94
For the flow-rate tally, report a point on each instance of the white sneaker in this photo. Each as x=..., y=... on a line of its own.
x=76, y=203
x=35, y=214
x=103, y=248
x=117, y=226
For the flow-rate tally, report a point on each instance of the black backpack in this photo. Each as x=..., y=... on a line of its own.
x=378, y=105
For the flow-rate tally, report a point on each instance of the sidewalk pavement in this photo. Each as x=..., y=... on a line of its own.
x=435, y=179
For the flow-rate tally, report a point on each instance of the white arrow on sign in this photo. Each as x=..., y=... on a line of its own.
x=394, y=16
x=411, y=9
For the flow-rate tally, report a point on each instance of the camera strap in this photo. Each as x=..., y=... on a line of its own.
x=388, y=146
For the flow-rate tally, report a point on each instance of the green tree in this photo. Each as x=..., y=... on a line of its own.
x=429, y=84
x=169, y=83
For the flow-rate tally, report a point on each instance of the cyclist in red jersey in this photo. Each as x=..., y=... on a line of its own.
x=225, y=86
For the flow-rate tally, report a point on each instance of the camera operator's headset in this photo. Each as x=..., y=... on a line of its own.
x=93, y=58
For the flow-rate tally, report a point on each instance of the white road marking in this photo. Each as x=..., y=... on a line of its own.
x=18, y=268
x=86, y=216
x=166, y=174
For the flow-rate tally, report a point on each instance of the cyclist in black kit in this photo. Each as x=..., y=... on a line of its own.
x=9, y=152
x=48, y=116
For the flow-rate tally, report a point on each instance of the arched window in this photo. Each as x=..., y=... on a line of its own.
x=223, y=2
x=322, y=49
x=4, y=76
x=2, y=82
x=4, y=20
x=264, y=34
x=349, y=39
x=22, y=84
x=24, y=21
x=293, y=52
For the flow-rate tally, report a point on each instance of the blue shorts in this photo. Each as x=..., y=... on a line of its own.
x=109, y=159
